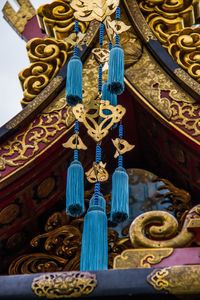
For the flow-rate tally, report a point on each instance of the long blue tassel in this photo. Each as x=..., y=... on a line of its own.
x=74, y=81
x=94, y=250
x=75, y=189
x=120, y=196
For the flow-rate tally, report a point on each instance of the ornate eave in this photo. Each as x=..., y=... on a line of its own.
x=163, y=108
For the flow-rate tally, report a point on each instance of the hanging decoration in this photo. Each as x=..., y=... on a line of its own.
x=74, y=77
x=98, y=117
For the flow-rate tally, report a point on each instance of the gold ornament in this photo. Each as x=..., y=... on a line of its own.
x=97, y=173
x=75, y=142
x=122, y=146
x=88, y=10
x=64, y=285
x=101, y=55
x=90, y=115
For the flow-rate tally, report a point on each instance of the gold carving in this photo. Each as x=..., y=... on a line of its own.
x=88, y=114
x=18, y=150
x=122, y=146
x=170, y=23
x=64, y=285
x=57, y=20
x=178, y=280
x=117, y=27
x=75, y=142
x=163, y=227
x=101, y=55
x=47, y=57
x=142, y=258
x=20, y=18
x=97, y=173
x=88, y=10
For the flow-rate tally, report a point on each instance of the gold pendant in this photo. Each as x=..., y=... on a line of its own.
x=122, y=146
x=75, y=142
x=97, y=173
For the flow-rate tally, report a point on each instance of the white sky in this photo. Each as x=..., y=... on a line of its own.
x=13, y=58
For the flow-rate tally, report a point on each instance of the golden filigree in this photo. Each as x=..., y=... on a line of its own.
x=47, y=57
x=101, y=55
x=89, y=114
x=88, y=10
x=117, y=27
x=75, y=142
x=143, y=258
x=97, y=173
x=20, y=18
x=122, y=146
x=64, y=285
x=163, y=227
x=57, y=20
x=23, y=146
x=178, y=280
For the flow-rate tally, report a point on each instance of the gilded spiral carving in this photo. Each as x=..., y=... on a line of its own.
x=47, y=57
x=57, y=19
x=159, y=229
x=171, y=22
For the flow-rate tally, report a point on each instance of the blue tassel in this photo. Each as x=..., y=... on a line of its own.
x=75, y=189
x=94, y=250
x=116, y=70
x=74, y=81
x=107, y=95
x=120, y=196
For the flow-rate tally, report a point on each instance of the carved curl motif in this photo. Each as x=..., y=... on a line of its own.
x=57, y=19
x=47, y=57
x=158, y=229
x=170, y=22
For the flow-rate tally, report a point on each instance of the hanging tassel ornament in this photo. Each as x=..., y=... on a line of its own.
x=94, y=250
x=74, y=77
x=120, y=190
x=75, y=185
x=116, y=65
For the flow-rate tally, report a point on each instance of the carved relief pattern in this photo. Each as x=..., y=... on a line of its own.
x=64, y=285
x=47, y=57
x=42, y=131
x=170, y=23
x=178, y=280
x=142, y=258
x=57, y=19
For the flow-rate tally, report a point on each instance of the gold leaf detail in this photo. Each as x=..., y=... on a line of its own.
x=101, y=55
x=64, y=285
x=122, y=146
x=97, y=173
x=118, y=26
x=88, y=115
x=75, y=142
x=88, y=10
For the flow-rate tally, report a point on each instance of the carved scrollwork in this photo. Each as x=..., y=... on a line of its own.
x=57, y=19
x=47, y=57
x=159, y=229
x=171, y=21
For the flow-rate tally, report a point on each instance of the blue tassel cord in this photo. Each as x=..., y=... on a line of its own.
x=94, y=250
x=116, y=65
x=75, y=185
x=107, y=95
x=74, y=77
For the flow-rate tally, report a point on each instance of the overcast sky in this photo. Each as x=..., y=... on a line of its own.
x=13, y=58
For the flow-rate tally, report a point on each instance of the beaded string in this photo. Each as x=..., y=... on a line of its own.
x=120, y=158
x=98, y=147
x=76, y=129
x=117, y=19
